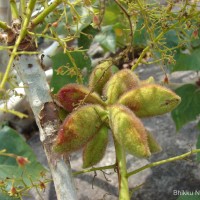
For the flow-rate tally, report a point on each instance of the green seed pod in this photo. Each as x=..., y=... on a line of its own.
x=128, y=130
x=99, y=76
x=95, y=149
x=120, y=83
x=71, y=96
x=153, y=144
x=150, y=80
x=150, y=100
x=79, y=127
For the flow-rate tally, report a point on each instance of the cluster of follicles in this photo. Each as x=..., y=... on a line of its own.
x=125, y=100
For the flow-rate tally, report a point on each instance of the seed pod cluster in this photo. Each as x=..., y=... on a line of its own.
x=128, y=99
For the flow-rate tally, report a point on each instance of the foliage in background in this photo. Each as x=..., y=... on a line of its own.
x=19, y=169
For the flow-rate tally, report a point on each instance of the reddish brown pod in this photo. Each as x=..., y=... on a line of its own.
x=71, y=95
x=79, y=127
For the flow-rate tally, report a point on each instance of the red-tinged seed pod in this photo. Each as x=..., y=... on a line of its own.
x=128, y=130
x=119, y=83
x=79, y=127
x=94, y=150
x=100, y=75
x=150, y=100
x=71, y=95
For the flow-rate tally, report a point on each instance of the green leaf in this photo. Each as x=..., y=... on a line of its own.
x=84, y=40
x=112, y=14
x=62, y=59
x=15, y=144
x=5, y=197
x=107, y=38
x=140, y=37
x=190, y=60
x=189, y=107
x=198, y=147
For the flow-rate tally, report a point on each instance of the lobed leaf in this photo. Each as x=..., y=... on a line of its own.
x=129, y=131
x=95, y=149
x=71, y=96
x=79, y=127
x=120, y=83
x=150, y=100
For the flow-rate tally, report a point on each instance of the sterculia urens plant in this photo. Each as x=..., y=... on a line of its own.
x=126, y=100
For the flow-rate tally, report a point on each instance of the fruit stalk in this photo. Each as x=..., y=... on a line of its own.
x=121, y=171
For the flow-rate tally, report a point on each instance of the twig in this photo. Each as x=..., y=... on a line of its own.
x=154, y=164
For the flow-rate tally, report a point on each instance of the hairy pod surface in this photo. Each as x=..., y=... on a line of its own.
x=99, y=76
x=94, y=150
x=128, y=130
x=150, y=100
x=120, y=83
x=153, y=144
x=71, y=96
x=79, y=127
x=150, y=80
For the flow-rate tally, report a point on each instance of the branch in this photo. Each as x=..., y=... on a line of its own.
x=14, y=11
x=95, y=169
x=154, y=164
x=18, y=41
x=44, y=13
x=38, y=94
x=4, y=26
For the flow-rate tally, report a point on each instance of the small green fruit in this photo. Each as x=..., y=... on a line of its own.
x=128, y=130
x=120, y=83
x=99, y=76
x=79, y=127
x=150, y=100
x=95, y=149
x=71, y=95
